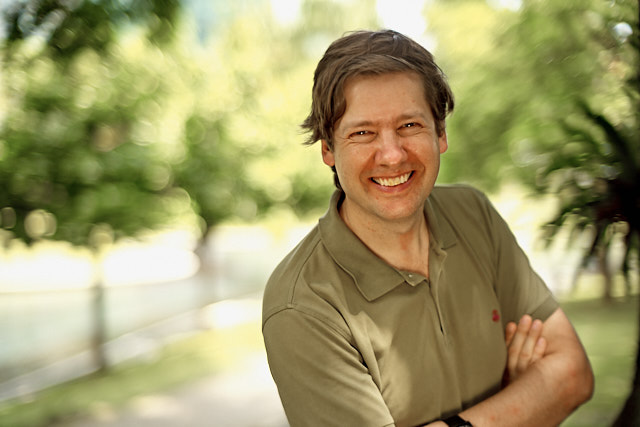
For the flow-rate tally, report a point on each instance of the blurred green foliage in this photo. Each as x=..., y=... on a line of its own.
x=518, y=76
x=121, y=116
x=125, y=116
x=77, y=161
x=252, y=85
x=68, y=27
x=548, y=95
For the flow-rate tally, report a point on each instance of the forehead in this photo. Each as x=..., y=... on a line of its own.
x=383, y=97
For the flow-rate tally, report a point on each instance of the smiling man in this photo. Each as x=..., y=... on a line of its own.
x=409, y=303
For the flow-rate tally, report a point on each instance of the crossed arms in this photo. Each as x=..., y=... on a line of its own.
x=549, y=376
x=548, y=372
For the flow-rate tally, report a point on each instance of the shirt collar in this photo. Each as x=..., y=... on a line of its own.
x=440, y=231
x=372, y=276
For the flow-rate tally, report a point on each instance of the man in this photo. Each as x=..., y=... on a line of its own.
x=393, y=309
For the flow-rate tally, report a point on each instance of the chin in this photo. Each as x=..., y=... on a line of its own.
x=396, y=213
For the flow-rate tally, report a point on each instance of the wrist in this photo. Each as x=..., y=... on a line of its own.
x=457, y=421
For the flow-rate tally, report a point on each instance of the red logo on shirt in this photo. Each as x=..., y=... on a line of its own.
x=495, y=316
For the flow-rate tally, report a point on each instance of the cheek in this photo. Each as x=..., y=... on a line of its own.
x=428, y=152
x=343, y=169
x=351, y=167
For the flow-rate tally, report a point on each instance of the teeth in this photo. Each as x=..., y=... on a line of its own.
x=392, y=182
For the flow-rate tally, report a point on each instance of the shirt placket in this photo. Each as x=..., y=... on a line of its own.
x=436, y=262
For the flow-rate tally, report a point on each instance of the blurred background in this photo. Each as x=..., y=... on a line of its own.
x=152, y=174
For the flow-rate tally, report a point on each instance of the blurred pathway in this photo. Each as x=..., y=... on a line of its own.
x=242, y=397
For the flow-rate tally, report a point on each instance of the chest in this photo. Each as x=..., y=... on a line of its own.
x=434, y=347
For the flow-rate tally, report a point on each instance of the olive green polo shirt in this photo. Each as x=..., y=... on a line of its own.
x=352, y=341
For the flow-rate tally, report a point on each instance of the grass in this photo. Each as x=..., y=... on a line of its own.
x=608, y=332
x=180, y=362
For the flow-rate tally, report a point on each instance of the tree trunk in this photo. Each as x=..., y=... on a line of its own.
x=204, y=253
x=98, y=314
x=603, y=264
x=630, y=414
x=206, y=277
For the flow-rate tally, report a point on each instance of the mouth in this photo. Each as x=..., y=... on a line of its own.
x=393, y=182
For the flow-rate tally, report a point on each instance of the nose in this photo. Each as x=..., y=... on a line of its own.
x=390, y=149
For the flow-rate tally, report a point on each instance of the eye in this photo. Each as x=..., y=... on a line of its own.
x=409, y=129
x=362, y=136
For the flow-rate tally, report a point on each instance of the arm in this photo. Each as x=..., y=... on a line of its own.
x=320, y=375
x=547, y=391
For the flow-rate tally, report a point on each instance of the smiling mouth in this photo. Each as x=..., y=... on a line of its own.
x=392, y=182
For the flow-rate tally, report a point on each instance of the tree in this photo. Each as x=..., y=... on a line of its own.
x=117, y=121
x=76, y=161
x=527, y=82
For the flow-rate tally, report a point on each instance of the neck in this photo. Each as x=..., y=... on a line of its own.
x=402, y=244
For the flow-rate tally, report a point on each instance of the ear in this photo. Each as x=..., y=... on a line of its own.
x=327, y=155
x=443, y=144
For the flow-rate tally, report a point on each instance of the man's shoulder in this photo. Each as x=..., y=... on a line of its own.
x=460, y=196
x=289, y=268
x=465, y=209
x=287, y=286
x=456, y=191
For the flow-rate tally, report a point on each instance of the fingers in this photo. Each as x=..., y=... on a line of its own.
x=525, y=345
x=514, y=349
x=539, y=349
x=526, y=356
x=510, y=332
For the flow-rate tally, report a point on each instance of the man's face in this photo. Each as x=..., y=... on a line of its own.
x=386, y=151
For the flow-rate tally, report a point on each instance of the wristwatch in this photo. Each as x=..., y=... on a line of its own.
x=457, y=421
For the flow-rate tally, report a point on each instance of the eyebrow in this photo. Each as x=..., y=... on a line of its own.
x=364, y=123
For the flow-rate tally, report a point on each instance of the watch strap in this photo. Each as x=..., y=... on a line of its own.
x=457, y=421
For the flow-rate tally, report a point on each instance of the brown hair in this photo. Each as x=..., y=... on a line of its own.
x=371, y=52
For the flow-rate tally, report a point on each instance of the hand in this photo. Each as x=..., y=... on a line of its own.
x=525, y=346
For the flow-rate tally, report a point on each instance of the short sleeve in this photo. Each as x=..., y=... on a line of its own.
x=519, y=288
x=321, y=377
